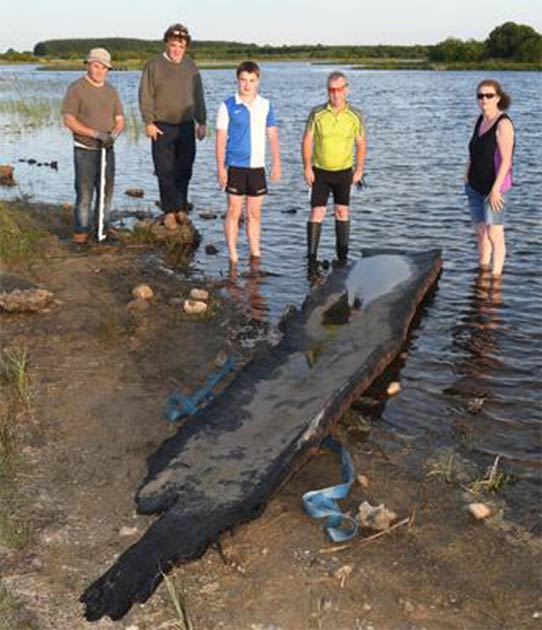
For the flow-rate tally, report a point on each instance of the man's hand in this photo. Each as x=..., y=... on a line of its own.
x=106, y=140
x=152, y=131
x=309, y=175
x=201, y=132
x=357, y=175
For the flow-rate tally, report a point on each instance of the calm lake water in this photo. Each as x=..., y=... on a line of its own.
x=473, y=373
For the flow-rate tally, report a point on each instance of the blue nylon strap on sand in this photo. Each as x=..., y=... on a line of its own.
x=180, y=406
x=323, y=503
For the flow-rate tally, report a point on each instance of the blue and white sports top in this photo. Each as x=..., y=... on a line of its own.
x=246, y=126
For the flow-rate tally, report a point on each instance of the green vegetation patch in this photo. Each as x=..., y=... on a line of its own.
x=26, y=103
x=21, y=238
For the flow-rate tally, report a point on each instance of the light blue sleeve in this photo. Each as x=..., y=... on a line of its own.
x=271, y=121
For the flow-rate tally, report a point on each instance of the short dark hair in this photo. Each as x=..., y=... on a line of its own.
x=248, y=66
x=178, y=32
x=504, y=99
x=335, y=76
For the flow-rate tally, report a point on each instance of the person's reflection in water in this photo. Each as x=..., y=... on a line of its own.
x=477, y=348
x=477, y=331
x=249, y=296
x=478, y=352
x=257, y=303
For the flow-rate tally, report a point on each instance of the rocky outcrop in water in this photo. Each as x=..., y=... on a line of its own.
x=6, y=175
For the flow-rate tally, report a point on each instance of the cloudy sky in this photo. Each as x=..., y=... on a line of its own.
x=266, y=21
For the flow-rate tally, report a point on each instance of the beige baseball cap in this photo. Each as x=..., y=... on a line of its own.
x=101, y=55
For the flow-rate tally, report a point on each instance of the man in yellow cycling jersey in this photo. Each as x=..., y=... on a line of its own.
x=332, y=132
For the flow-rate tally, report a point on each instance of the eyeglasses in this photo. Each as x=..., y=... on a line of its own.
x=488, y=95
x=340, y=89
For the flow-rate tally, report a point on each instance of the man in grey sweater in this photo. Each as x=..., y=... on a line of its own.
x=173, y=108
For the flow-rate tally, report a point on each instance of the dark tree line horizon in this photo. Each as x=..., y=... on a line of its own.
x=509, y=42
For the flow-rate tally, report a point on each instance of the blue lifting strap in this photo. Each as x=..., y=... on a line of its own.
x=179, y=405
x=323, y=503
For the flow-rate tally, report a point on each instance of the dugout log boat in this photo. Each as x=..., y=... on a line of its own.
x=226, y=461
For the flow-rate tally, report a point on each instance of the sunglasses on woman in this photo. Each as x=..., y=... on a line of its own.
x=488, y=95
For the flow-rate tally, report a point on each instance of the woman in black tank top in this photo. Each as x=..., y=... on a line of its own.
x=489, y=173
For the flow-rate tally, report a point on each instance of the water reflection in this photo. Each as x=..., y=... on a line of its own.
x=477, y=333
x=244, y=289
x=477, y=342
x=375, y=276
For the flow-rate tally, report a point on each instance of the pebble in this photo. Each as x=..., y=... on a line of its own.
x=128, y=531
x=478, y=510
x=143, y=292
x=194, y=307
x=134, y=192
x=393, y=388
x=407, y=606
x=211, y=249
x=199, y=294
x=363, y=481
x=343, y=573
x=220, y=359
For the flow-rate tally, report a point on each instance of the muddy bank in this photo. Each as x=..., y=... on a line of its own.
x=76, y=432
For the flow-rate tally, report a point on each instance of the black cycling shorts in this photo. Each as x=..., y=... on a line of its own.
x=337, y=182
x=246, y=181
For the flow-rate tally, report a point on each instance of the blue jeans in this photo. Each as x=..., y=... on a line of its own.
x=480, y=210
x=87, y=180
x=173, y=154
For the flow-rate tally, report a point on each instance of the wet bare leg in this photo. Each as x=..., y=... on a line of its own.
x=231, y=225
x=341, y=212
x=484, y=247
x=254, y=224
x=317, y=214
x=496, y=237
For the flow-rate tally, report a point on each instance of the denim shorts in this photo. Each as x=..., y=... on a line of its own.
x=480, y=210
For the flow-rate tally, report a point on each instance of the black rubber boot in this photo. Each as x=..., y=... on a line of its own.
x=342, y=234
x=313, y=240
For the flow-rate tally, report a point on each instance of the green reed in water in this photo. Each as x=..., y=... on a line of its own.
x=24, y=103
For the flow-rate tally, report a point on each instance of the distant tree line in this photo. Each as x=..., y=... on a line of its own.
x=125, y=48
x=510, y=41
x=13, y=55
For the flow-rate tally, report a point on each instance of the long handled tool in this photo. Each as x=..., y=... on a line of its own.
x=101, y=198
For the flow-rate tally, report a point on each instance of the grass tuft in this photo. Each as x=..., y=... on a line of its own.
x=177, y=597
x=20, y=239
x=494, y=480
x=15, y=533
x=14, y=373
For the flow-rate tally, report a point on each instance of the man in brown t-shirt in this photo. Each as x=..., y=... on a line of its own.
x=173, y=108
x=93, y=113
